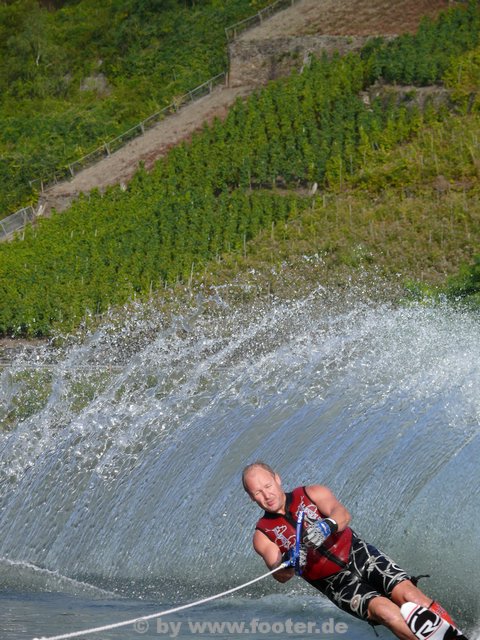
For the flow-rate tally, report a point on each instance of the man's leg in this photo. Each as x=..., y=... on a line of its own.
x=390, y=580
x=406, y=591
x=386, y=612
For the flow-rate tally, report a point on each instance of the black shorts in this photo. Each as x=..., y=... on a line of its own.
x=369, y=574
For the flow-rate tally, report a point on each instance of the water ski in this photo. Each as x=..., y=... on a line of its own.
x=425, y=624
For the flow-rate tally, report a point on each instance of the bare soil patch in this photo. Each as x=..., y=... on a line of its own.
x=347, y=17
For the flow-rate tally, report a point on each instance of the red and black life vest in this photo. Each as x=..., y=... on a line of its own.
x=281, y=529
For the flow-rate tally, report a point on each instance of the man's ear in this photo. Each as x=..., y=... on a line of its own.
x=278, y=479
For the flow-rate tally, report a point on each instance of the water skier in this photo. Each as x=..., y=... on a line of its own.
x=352, y=573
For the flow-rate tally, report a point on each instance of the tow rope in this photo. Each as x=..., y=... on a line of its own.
x=116, y=625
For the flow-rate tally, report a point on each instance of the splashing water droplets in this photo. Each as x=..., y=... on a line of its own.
x=141, y=428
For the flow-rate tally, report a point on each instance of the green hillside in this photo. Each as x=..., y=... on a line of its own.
x=398, y=190
x=410, y=215
x=74, y=77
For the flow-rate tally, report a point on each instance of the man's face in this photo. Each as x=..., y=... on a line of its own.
x=266, y=490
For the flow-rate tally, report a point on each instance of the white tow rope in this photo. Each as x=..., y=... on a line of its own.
x=116, y=625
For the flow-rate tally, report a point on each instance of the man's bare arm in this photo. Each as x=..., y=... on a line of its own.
x=328, y=504
x=272, y=556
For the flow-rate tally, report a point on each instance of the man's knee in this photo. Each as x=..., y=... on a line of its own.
x=384, y=611
x=406, y=591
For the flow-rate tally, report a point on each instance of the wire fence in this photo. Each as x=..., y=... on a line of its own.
x=236, y=29
x=16, y=221
x=107, y=148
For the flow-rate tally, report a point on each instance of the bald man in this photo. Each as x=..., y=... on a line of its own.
x=353, y=574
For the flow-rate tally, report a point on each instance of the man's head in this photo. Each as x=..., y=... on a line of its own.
x=264, y=487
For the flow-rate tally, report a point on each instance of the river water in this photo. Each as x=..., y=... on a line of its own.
x=120, y=470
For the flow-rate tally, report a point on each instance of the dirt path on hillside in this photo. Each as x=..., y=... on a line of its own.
x=332, y=17
x=120, y=166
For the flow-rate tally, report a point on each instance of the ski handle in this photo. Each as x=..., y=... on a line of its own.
x=298, y=540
